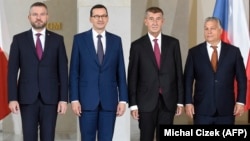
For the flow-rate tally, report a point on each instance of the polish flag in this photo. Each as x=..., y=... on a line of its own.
x=4, y=110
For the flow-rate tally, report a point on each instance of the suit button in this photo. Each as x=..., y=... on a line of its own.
x=215, y=81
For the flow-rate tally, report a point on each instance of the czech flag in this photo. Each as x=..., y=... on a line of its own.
x=235, y=31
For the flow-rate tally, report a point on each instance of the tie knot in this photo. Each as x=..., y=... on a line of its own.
x=214, y=47
x=155, y=40
x=38, y=34
x=99, y=36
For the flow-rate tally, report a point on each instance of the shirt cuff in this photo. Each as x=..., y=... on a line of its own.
x=180, y=105
x=240, y=103
x=74, y=101
x=135, y=107
x=123, y=102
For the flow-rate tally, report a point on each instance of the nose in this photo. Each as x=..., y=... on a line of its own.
x=100, y=18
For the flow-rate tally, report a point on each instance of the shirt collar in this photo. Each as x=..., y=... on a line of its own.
x=95, y=33
x=35, y=32
x=218, y=45
x=152, y=37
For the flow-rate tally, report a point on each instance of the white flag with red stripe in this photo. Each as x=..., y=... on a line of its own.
x=4, y=110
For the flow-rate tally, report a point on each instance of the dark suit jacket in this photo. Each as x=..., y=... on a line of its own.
x=214, y=91
x=91, y=83
x=48, y=76
x=145, y=79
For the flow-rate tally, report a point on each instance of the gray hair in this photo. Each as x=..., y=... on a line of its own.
x=217, y=20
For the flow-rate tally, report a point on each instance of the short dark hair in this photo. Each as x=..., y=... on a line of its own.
x=39, y=4
x=154, y=10
x=97, y=6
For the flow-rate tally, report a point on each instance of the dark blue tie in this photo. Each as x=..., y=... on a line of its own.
x=39, y=50
x=100, y=49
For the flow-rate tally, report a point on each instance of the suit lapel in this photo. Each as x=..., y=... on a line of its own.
x=46, y=44
x=90, y=45
x=109, y=49
x=222, y=54
x=204, y=55
x=149, y=49
x=164, y=48
x=31, y=42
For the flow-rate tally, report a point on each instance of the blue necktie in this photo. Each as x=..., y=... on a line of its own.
x=100, y=49
x=39, y=50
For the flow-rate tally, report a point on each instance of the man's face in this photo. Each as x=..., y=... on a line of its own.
x=154, y=22
x=212, y=32
x=99, y=19
x=38, y=17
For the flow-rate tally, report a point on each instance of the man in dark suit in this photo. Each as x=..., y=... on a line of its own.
x=155, y=81
x=98, y=88
x=212, y=101
x=38, y=81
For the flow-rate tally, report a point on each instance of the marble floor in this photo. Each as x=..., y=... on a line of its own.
x=134, y=131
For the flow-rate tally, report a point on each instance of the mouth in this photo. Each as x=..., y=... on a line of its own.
x=154, y=27
x=38, y=21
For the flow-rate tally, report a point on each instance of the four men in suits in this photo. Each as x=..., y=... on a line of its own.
x=98, y=90
x=98, y=87
x=212, y=101
x=155, y=80
x=38, y=85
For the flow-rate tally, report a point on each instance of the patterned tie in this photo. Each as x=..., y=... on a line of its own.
x=214, y=58
x=39, y=50
x=100, y=49
x=157, y=53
